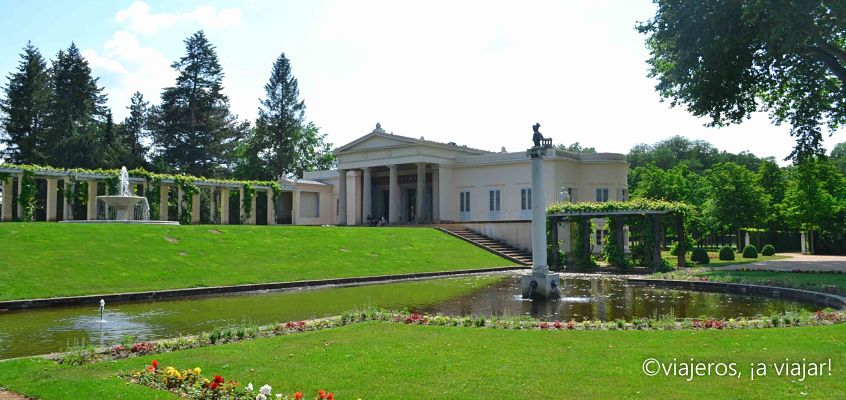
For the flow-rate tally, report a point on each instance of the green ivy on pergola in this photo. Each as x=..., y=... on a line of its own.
x=653, y=211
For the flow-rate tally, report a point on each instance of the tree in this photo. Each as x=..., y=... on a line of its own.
x=281, y=143
x=699, y=155
x=838, y=157
x=736, y=199
x=728, y=58
x=132, y=131
x=676, y=184
x=815, y=196
x=24, y=108
x=76, y=114
x=195, y=133
x=576, y=147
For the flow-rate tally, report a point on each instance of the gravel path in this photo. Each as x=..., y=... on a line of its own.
x=797, y=262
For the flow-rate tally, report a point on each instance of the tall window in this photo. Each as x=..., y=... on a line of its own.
x=622, y=194
x=526, y=199
x=494, y=203
x=464, y=206
x=601, y=194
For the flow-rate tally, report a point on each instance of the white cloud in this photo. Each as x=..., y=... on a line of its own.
x=140, y=20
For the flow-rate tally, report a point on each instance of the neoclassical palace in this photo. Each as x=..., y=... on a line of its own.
x=379, y=176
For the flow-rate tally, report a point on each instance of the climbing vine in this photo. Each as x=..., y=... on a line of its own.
x=612, y=249
x=70, y=194
x=249, y=193
x=153, y=194
x=581, y=251
x=26, y=197
x=189, y=189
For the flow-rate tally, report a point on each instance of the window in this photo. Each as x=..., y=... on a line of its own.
x=600, y=234
x=622, y=194
x=494, y=204
x=309, y=204
x=464, y=206
x=601, y=195
x=526, y=199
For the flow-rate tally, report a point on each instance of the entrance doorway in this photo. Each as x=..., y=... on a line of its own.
x=411, y=207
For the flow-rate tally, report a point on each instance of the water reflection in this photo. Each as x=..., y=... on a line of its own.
x=48, y=330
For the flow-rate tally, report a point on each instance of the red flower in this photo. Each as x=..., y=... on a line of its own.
x=321, y=393
x=214, y=385
x=155, y=364
x=218, y=379
x=150, y=368
x=298, y=396
x=330, y=396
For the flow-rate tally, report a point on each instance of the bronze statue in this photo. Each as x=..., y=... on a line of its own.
x=537, y=137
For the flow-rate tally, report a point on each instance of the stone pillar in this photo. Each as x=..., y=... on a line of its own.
x=7, y=199
x=342, y=197
x=195, y=208
x=747, y=241
x=539, y=262
x=67, y=214
x=224, y=206
x=367, y=195
x=420, y=208
x=52, y=188
x=553, y=231
x=252, y=219
x=163, y=207
x=241, y=215
x=393, y=195
x=178, y=203
x=271, y=210
x=92, y=200
x=436, y=214
x=804, y=244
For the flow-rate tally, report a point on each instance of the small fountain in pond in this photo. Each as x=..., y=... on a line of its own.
x=125, y=205
x=102, y=308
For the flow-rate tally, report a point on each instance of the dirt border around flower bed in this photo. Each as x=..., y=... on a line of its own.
x=10, y=305
x=778, y=292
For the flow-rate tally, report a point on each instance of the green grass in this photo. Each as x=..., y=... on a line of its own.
x=393, y=361
x=50, y=260
x=826, y=282
x=716, y=262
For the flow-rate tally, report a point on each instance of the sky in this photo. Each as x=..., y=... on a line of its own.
x=478, y=73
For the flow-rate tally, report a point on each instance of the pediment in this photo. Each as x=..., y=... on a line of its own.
x=375, y=141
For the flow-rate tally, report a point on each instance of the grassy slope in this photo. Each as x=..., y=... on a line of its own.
x=389, y=361
x=39, y=259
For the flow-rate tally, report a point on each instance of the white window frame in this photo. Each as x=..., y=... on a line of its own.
x=494, y=204
x=526, y=203
x=602, y=195
x=464, y=205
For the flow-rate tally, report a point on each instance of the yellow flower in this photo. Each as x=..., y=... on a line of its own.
x=197, y=371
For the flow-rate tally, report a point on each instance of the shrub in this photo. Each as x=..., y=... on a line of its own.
x=768, y=250
x=699, y=256
x=750, y=251
x=674, y=249
x=726, y=253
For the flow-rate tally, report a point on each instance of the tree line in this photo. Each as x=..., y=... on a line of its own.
x=743, y=191
x=57, y=116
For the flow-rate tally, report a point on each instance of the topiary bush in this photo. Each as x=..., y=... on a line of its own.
x=700, y=256
x=726, y=253
x=768, y=250
x=750, y=251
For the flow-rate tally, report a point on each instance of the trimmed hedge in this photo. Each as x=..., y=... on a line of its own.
x=750, y=251
x=726, y=253
x=768, y=250
x=699, y=256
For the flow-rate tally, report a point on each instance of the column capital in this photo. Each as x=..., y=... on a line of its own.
x=393, y=166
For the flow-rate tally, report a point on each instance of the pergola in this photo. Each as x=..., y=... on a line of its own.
x=581, y=213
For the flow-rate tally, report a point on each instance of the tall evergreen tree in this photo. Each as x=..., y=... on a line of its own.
x=131, y=133
x=77, y=114
x=194, y=132
x=23, y=109
x=281, y=143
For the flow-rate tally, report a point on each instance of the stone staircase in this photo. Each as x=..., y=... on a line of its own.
x=494, y=246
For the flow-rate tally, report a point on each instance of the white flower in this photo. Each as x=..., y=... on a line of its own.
x=279, y=395
x=261, y=397
x=265, y=390
x=250, y=387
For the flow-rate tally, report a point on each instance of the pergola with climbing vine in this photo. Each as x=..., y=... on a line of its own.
x=645, y=218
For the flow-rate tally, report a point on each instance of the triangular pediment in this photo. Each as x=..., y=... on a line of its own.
x=375, y=141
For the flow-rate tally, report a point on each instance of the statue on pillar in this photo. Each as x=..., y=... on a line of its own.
x=537, y=136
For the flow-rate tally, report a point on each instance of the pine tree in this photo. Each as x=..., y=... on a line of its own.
x=131, y=133
x=195, y=133
x=23, y=110
x=77, y=113
x=281, y=143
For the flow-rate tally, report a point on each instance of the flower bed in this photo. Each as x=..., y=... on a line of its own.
x=190, y=384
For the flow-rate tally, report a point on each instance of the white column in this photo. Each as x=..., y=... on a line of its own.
x=436, y=212
x=747, y=240
x=538, y=219
x=52, y=187
x=393, y=196
x=163, y=197
x=447, y=199
x=224, y=206
x=420, y=207
x=92, y=200
x=342, y=197
x=252, y=220
x=241, y=205
x=66, y=212
x=804, y=244
x=7, y=199
x=195, y=208
x=367, y=195
x=271, y=210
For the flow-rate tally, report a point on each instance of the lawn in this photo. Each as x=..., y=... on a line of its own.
x=379, y=360
x=38, y=258
x=825, y=282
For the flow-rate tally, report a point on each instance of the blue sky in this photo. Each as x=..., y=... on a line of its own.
x=475, y=72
